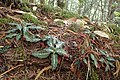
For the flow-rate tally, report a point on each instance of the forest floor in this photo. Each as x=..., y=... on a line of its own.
x=18, y=63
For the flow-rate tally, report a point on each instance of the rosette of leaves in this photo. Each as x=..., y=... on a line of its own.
x=23, y=30
x=54, y=49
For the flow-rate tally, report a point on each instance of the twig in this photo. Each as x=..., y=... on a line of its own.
x=70, y=31
x=14, y=18
x=3, y=34
x=1, y=75
x=88, y=69
x=41, y=71
x=117, y=68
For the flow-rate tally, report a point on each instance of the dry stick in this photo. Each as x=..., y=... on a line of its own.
x=3, y=34
x=15, y=11
x=1, y=75
x=14, y=18
x=88, y=69
x=41, y=71
x=70, y=31
x=117, y=68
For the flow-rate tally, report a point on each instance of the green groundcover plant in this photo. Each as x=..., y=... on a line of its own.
x=23, y=30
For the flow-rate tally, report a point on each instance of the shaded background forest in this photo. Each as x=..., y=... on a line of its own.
x=96, y=10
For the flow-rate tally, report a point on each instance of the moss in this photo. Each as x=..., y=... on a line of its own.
x=19, y=53
x=29, y=18
x=117, y=14
x=116, y=45
x=114, y=28
x=57, y=12
x=69, y=14
x=60, y=23
x=24, y=5
x=5, y=20
x=46, y=8
x=25, y=8
x=74, y=27
x=94, y=75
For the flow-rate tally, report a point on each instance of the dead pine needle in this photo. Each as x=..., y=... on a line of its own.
x=41, y=71
x=1, y=75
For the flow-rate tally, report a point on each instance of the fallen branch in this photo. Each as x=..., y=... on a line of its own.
x=1, y=75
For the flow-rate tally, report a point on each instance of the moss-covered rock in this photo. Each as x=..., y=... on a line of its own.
x=74, y=27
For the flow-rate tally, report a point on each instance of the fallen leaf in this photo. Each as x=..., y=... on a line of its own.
x=102, y=34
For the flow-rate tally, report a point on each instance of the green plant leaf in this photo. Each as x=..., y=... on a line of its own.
x=29, y=24
x=61, y=52
x=84, y=60
x=50, y=43
x=102, y=52
x=35, y=27
x=54, y=40
x=30, y=37
x=4, y=49
x=35, y=39
x=13, y=30
x=102, y=60
x=46, y=38
x=54, y=61
x=111, y=64
x=41, y=54
x=14, y=24
x=18, y=36
x=24, y=31
x=19, y=26
x=78, y=63
x=60, y=44
x=117, y=14
x=110, y=58
x=107, y=67
x=83, y=51
x=94, y=59
x=49, y=50
x=11, y=35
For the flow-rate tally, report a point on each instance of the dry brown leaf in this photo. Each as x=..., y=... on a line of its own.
x=102, y=34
